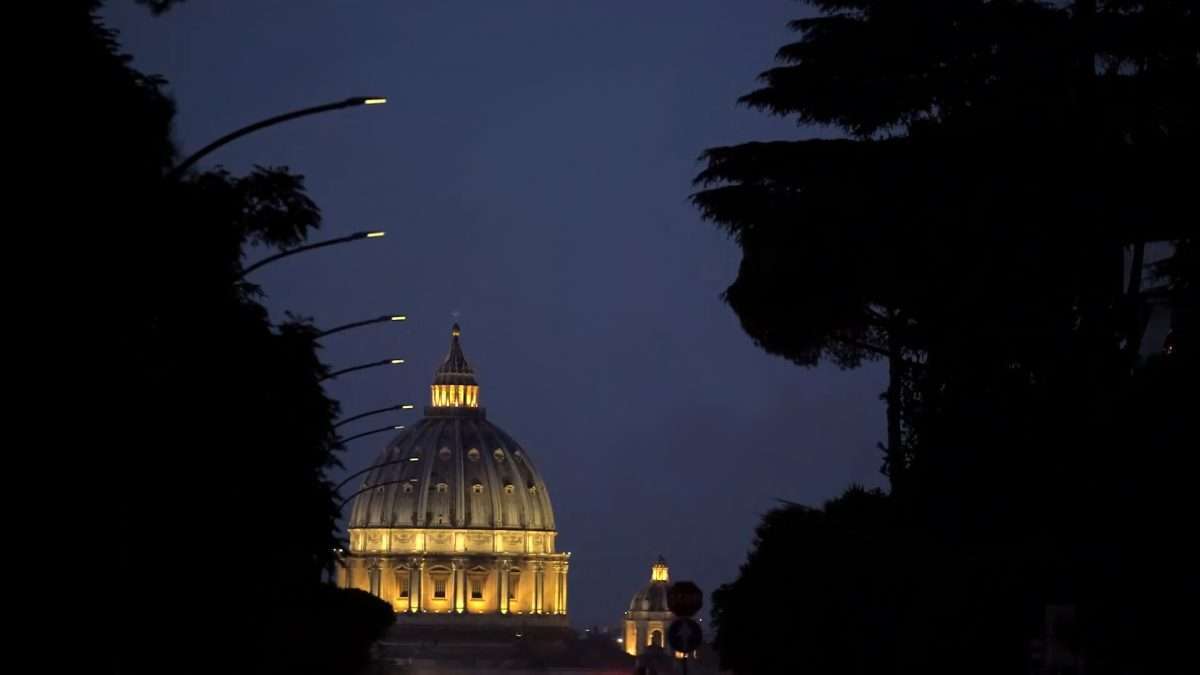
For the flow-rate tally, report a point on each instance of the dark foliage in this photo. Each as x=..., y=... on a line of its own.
x=984, y=228
x=205, y=511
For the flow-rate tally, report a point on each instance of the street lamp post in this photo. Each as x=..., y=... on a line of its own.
x=380, y=430
x=347, y=500
x=364, y=366
x=368, y=322
x=371, y=234
x=270, y=121
x=360, y=472
x=401, y=406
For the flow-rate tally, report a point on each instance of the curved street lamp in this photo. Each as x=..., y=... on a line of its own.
x=347, y=500
x=363, y=366
x=370, y=234
x=360, y=472
x=380, y=430
x=368, y=322
x=270, y=121
x=400, y=406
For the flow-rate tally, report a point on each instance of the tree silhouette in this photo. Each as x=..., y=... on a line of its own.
x=984, y=225
x=930, y=224
x=207, y=512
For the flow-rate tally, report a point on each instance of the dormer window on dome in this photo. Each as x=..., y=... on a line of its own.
x=454, y=384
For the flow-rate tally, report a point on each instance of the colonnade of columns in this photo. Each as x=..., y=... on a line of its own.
x=521, y=584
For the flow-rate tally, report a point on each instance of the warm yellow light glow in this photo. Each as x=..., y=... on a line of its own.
x=399, y=317
x=377, y=233
x=396, y=361
x=455, y=395
x=659, y=572
x=375, y=101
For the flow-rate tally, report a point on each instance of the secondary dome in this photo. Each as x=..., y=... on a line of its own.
x=648, y=617
x=653, y=597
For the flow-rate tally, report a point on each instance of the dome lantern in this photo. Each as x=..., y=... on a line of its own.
x=658, y=571
x=454, y=384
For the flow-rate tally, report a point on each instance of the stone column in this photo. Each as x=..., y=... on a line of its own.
x=502, y=566
x=374, y=577
x=415, y=585
x=539, y=574
x=562, y=587
x=459, y=567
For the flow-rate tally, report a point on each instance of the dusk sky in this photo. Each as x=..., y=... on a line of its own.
x=532, y=171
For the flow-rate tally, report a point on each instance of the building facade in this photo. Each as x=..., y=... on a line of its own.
x=455, y=520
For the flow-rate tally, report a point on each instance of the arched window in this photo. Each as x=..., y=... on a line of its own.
x=444, y=454
x=442, y=487
x=402, y=582
x=477, y=577
x=508, y=488
x=473, y=454
x=656, y=639
x=408, y=487
x=514, y=578
x=477, y=487
x=440, y=576
x=499, y=455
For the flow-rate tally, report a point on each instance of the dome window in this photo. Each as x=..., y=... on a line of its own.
x=477, y=487
x=442, y=488
x=533, y=489
x=508, y=488
x=408, y=487
x=473, y=454
x=499, y=455
x=444, y=454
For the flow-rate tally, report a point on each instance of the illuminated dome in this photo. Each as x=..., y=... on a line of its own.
x=653, y=598
x=454, y=468
x=455, y=518
x=647, y=619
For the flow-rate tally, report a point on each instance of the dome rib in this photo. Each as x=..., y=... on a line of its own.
x=459, y=517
